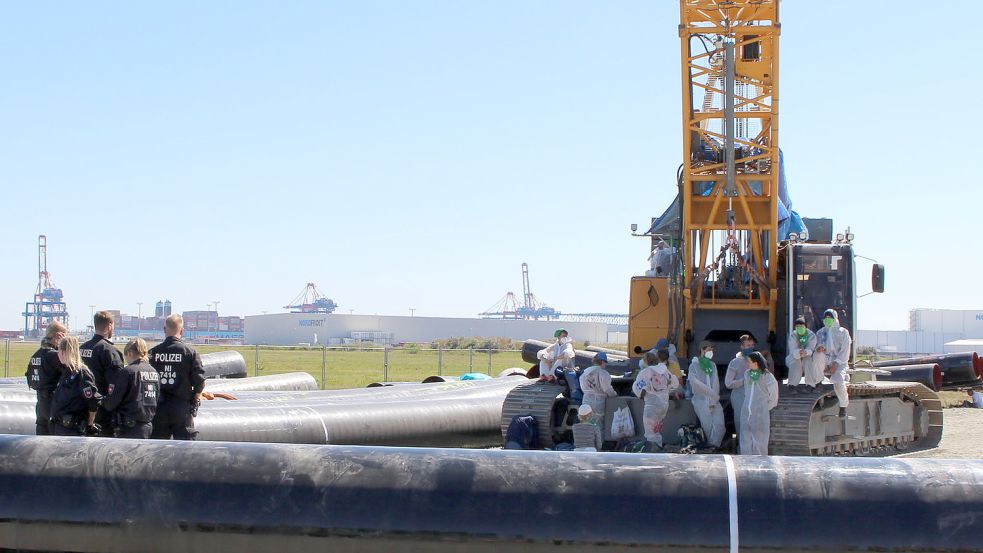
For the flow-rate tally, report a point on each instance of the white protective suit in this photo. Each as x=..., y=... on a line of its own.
x=554, y=357
x=660, y=262
x=836, y=341
x=734, y=380
x=799, y=360
x=596, y=385
x=653, y=384
x=760, y=398
x=706, y=400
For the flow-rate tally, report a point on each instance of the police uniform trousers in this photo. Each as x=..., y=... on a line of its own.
x=42, y=410
x=58, y=429
x=105, y=421
x=140, y=431
x=174, y=419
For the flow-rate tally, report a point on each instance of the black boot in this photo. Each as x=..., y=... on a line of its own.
x=842, y=412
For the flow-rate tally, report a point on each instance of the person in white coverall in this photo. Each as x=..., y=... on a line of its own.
x=760, y=397
x=833, y=355
x=596, y=385
x=660, y=261
x=734, y=378
x=653, y=385
x=801, y=345
x=558, y=355
x=705, y=384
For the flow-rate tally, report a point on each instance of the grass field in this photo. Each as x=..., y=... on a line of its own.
x=341, y=368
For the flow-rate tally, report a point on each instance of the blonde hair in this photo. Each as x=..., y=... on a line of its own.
x=174, y=322
x=53, y=329
x=69, y=347
x=136, y=347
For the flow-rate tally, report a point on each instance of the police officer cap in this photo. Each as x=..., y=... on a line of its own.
x=800, y=320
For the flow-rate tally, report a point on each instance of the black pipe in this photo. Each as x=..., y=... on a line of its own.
x=958, y=369
x=440, y=378
x=459, y=414
x=514, y=371
x=295, y=381
x=929, y=374
x=384, y=384
x=98, y=494
x=224, y=364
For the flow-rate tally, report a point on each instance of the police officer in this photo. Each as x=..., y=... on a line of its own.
x=133, y=393
x=182, y=380
x=43, y=372
x=103, y=359
x=73, y=406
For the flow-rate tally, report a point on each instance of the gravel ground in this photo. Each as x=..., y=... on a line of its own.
x=962, y=436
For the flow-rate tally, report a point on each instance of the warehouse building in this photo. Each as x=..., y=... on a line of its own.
x=929, y=331
x=336, y=329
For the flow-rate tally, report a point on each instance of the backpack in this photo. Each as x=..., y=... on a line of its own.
x=523, y=433
x=692, y=436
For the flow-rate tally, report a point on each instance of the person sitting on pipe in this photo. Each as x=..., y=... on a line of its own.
x=559, y=355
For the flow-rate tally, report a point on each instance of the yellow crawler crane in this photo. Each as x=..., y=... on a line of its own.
x=737, y=260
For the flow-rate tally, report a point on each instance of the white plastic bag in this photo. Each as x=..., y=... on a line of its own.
x=622, y=425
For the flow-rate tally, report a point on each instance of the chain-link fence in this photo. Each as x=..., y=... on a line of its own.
x=336, y=366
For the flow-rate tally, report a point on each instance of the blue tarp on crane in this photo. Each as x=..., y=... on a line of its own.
x=789, y=220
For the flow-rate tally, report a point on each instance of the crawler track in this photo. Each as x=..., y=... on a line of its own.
x=884, y=417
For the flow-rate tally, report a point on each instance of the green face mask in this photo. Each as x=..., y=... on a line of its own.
x=828, y=321
x=754, y=374
x=800, y=330
x=706, y=365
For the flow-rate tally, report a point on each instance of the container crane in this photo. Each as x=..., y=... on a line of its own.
x=49, y=304
x=310, y=300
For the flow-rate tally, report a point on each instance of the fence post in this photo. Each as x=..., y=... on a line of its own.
x=440, y=361
x=471, y=359
x=324, y=367
x=385, y=363
x=489, y=361
x=256, y=362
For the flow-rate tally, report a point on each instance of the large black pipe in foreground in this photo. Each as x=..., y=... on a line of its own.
x=129, y=495
x=224, y=364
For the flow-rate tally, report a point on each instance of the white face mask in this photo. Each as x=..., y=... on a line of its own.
x=565, y=340
x=708, y=354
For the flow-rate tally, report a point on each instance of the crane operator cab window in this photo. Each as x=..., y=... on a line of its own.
x=822, y=278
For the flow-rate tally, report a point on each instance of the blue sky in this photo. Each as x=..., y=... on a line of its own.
x=414, y=154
